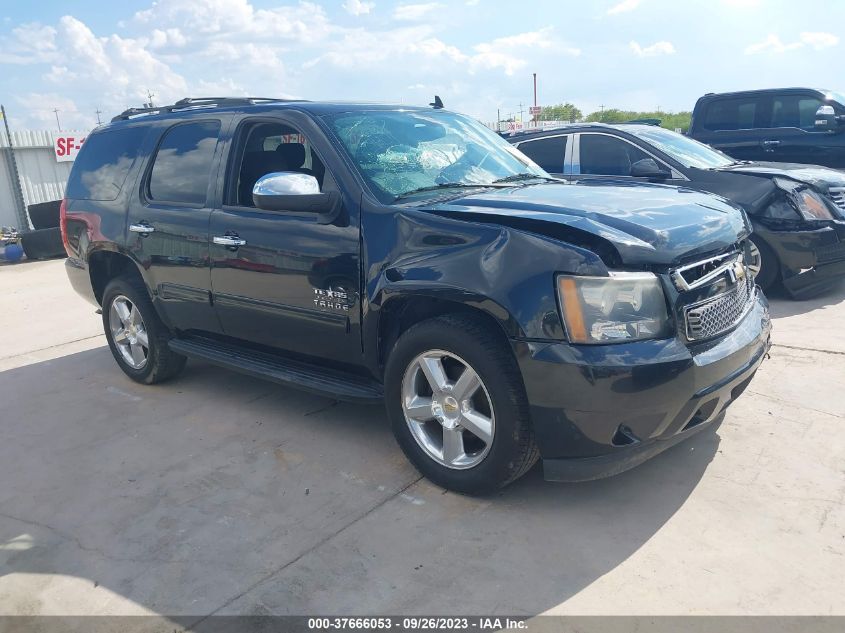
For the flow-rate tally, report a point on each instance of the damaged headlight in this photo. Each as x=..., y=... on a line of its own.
x=622, y=307
x=807, y=202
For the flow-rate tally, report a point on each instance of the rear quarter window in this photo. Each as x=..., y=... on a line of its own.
x=104, y=161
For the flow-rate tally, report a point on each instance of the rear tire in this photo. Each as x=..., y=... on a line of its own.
x=495, y=409
x=136, y=335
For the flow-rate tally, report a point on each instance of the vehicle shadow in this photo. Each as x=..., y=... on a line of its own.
x=217, y=493
x=781, y=305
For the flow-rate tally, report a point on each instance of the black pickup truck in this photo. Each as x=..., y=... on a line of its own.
x=373, y=252
x=786, y=125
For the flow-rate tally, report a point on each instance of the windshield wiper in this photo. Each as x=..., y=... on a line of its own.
x=447, y=185
x=523, y=176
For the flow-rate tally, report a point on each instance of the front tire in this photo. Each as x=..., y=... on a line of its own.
x=136, y=335
x=457, y=405
x=765, y=263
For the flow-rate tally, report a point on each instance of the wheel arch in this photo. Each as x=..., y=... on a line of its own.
x=106, y=264
x=402, y=311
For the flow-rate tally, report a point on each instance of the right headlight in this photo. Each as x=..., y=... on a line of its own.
x=626, y=306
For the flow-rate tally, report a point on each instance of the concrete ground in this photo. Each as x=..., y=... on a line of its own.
x=217, y=493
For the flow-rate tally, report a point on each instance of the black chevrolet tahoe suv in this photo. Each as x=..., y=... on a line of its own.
x=788, y=125
x=411, y=255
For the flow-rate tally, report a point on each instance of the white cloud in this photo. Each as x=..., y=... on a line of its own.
x=412, y=12
x=357, y=7
x=773, y=43
x=819, y=40
x=658, y=48
x=623, y=7
x=508, y=53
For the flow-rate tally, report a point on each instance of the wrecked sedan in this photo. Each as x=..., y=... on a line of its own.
x=412, y=256
x=797, y=211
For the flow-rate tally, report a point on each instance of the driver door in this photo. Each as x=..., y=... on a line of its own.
x=281, y=278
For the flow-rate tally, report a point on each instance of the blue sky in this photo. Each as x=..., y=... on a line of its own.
x=479, y=55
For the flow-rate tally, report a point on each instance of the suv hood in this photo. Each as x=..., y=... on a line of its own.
x=647, y=225
x=818, y=177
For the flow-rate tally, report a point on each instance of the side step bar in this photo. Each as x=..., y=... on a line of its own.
x=319, y=380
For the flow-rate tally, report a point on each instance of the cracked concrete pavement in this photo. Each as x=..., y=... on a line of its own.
x=220, y=494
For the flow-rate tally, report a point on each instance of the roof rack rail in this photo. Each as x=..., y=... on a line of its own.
x=196, y=102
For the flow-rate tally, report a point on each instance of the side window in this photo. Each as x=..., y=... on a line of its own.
x=266, y=147
x=731, y=114
x=603, y=155
x=104, y=162
x=548, y=153
x=795, y=111
x=182, y=164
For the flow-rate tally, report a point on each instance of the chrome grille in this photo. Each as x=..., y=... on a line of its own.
x=837, y=194
x=718, y=314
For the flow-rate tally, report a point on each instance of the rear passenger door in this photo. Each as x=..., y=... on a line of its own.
x=282, y=278
x=738, y=126
x=549, y=152
x=167, y=224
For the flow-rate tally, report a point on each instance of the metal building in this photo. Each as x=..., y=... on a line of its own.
x=41, y=174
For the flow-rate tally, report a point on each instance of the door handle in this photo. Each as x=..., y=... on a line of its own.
x=228, y=240
x=142, y=227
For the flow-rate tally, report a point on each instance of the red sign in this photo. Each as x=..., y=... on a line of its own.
x=66, y=147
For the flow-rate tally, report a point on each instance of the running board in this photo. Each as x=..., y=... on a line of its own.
x=326, y=382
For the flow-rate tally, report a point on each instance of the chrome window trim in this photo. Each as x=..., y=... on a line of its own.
x=674, y=173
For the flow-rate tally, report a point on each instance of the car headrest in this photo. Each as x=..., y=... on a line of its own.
x=293, y=154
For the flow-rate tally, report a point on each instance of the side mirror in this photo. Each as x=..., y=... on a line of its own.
x=295, y=192
x=648, y=168
x=825, y=119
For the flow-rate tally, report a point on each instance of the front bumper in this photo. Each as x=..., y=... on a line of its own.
x=812, y=260
x=602, y=409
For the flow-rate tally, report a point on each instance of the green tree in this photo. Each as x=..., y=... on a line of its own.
x=561, y=112
x=670, y=120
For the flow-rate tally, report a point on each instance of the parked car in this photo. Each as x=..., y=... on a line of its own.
x=411, y=255
x=791, y=125
x=797, y=211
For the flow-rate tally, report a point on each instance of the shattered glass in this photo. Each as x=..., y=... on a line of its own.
x=401, y=151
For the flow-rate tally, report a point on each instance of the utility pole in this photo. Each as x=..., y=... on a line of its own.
x=150, y=96
x=98, y=112
x=536, y=114
x=521, y=109
x=498, y=120
x=602, y=112
x=56, y=112
x=14, y=176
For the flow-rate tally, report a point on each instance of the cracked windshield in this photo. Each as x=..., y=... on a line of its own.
x=404, y=153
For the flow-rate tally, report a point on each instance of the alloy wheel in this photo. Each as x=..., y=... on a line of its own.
x=129, y=332
x=448, y=409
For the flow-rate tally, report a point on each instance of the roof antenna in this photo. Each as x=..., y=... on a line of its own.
x=437, y=104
